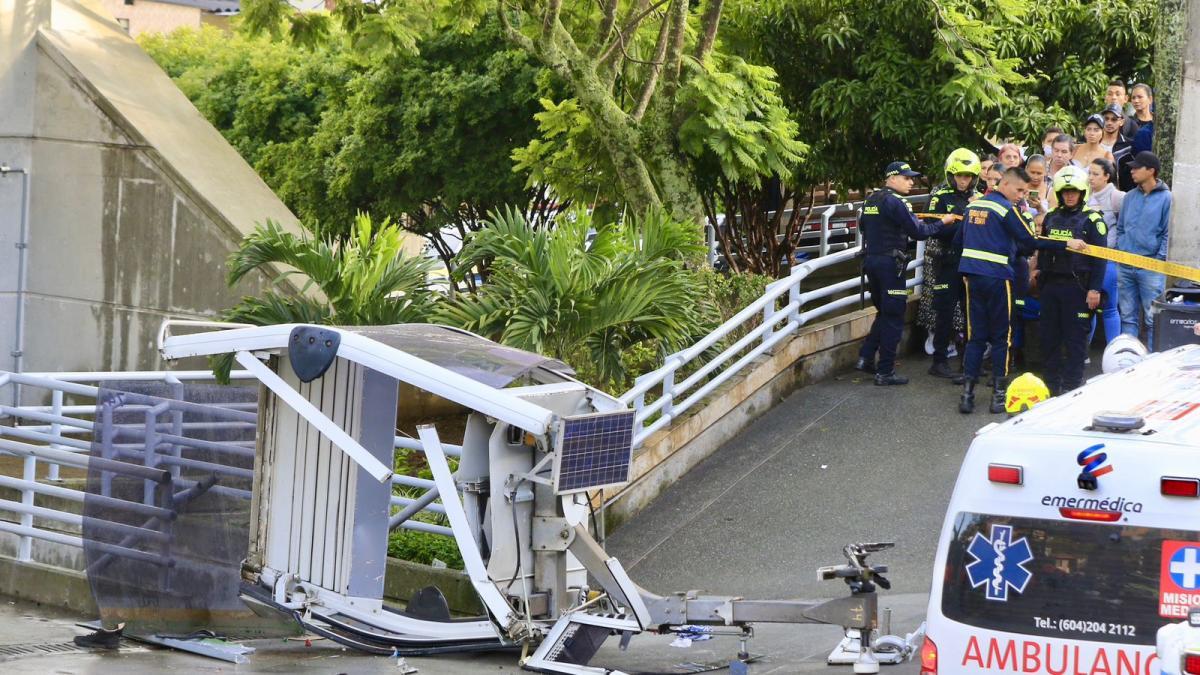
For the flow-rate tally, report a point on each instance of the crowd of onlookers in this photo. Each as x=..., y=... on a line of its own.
x=1123, y=175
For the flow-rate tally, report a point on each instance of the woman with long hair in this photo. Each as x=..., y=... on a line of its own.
x=1091, y=149
x=1107, y=199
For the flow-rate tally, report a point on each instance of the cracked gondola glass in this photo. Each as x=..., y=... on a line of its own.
x=166, y=515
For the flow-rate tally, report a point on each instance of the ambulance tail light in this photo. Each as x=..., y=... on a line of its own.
x=1191, y=664
x=929, y=657
x=1090, y=514
x=1006, y=473
x=1173, y=486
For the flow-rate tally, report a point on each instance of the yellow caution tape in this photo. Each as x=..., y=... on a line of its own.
x=1142, y=262
x=1121, y=257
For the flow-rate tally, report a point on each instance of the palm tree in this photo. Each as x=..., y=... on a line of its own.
x=364, y=279
x=586, y=300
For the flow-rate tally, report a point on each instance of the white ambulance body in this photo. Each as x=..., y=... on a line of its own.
x=1036, y=574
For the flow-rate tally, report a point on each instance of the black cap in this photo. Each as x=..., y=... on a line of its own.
x=900, y=169
x=1146, y=160
x=1115, y=109
x=1097, y=119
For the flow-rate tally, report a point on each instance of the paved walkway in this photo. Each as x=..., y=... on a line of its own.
x=836, y=462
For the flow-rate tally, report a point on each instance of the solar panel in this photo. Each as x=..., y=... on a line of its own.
x=593, y=451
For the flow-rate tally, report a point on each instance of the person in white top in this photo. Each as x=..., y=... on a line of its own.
x=1107, y=199
x=1091, y=148
x=1038, y=201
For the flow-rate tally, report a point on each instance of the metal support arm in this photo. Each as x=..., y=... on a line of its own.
x=310, y=412
x=855, y=611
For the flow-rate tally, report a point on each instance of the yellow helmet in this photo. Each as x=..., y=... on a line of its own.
x=1072, y=178
x=1025, y=392
x=962, y=160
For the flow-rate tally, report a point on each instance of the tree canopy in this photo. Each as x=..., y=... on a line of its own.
x=424, y=138
x=627, y=66
x=589, y=291
x=874, y=80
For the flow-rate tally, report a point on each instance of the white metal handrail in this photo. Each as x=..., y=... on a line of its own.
x=674, y=398
x=48, y=437
x=777, y=324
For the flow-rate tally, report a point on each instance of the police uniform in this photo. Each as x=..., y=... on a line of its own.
x=1065, y=280
x=992, y=233
x=948, y=286
x=887, y=223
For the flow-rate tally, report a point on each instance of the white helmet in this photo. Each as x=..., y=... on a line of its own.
x=1123, y=352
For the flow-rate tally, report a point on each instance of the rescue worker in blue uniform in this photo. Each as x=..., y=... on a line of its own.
x=960, y=189
x=887, y=223
x=1071, y=285
x=992, y=232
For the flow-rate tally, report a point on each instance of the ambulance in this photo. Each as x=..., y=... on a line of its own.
x=1073, y=533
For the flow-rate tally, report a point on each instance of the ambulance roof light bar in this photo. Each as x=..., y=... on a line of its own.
x=1117, y=421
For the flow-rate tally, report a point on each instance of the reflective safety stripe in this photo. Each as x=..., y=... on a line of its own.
x=1008, y=338
x=990, y=206
x=985, y=255
x=967, y=308
x=1084, y=315
x=898, y=291
x=1026, y=220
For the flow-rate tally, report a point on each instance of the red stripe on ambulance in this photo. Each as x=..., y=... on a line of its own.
x=1031, y=656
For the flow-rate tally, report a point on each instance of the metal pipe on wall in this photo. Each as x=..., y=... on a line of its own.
x=22, y=245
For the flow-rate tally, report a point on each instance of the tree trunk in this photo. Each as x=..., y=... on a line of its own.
x=1170, y=36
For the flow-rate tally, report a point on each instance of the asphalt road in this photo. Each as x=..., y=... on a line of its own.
x=837, y=462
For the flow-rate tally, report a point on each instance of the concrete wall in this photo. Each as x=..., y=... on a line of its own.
x=1185, y=231
x=146, y=16
x=134, y=200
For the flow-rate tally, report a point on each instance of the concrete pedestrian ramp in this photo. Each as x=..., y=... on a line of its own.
x=835, y=462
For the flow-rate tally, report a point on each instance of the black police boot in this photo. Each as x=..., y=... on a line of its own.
x=941, y=369
x=959, y=379
x=103, y=638
x=966, y=402
x=999, y=393
x=887, y=379
x=865, y=366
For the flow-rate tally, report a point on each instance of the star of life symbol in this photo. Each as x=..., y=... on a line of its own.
x=1185, y=568
x=999, y=563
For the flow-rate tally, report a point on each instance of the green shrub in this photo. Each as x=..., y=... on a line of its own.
x=423, y=547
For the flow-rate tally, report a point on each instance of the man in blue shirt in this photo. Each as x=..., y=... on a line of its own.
x=887, y=223
x=1142, y=229
x=993, y=231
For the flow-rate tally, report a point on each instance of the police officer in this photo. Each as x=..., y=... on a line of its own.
x=992, y=232
x=887, y=223
x=1071, y=284
x=960, y=189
